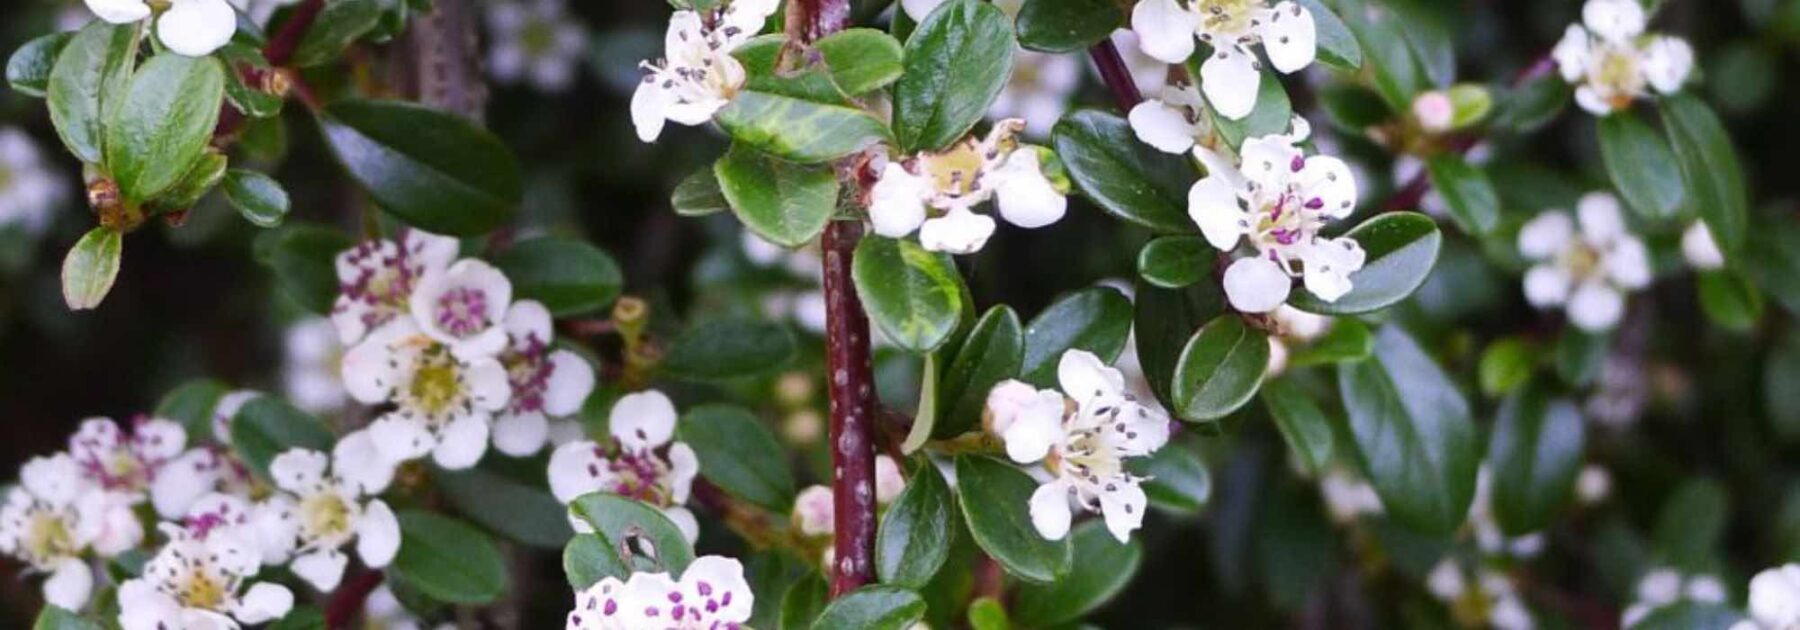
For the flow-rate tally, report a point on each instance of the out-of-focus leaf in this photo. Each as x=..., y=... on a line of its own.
x=1413, y=433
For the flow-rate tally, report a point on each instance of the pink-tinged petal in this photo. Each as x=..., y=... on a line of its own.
x=576, y=469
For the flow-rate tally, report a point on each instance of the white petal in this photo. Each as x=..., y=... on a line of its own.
x=298, y=470
x=1547, y=285
x=277, y=528
x=377, y=535
x=1628, y=263
x=1230, y=81
x=526, y=320
x=643, y=421
x=1595, y=307
x=1031, y=435
x=684, y=520
x=196, y=27
x=370, y=369
x=1164, y=29
x=1256, y=285
x=1775, y=596
x=1700, y=249
x=648, y=105
x=401, y=439
x=158, y=439
x=181, y=482
x=264, y=602
x=1025, y=197
x=897, y=201
x=484, y=336
x=1591, y=101
x=1213, y=205
x=488, y=385
x=1329, y=264
x=959, y=231
x=1601, y=220
x=143, y=607
x=1546, y=236
x=571, y=381
x=1007, y=400
x=69, y=584
x=119, y=529
x=521, y=435
x=462, y=443
x=1123, y=509
x=1329, y=184
x=712, y=578
x=1163, y=127
x=1050, y=510
x=322, y=569
x=814, y=512
x=684, y=465
x=359, y=462
x=119, y=11
x=1572, y=53
x=888, y=481
x=576, y=469
x=1084, y=377
x=1667, y=63
x=1615, y=20
x=918, y=10
x=1290, y=37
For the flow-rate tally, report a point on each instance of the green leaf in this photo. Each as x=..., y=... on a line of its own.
x=303, y=258
x=1163, y=322
x=1397, y=73
x=267, y=426
x=1535, y=453
x=587, y=559
x=916, y=531
x=259, y=198
x=163, y=124
x=771, y=67
x=619, y=520
x=434, y=170
x=1692, y=523
x=987, y=613
x=1642, y=167
x=1505, y=365
x=1710, y=168
x=799, y=130
x=1273, y=113
x=1067, y=26
x=803, y=603
x=1173, y=262
x=874, y=608
x=252, y=100
x=993, y=352
x=202, y=176
x=1102, y=568
x=1529, y=107
x=1348, y=340
x=699, y=195
x=1302, y=424
x=1337, y=46
x=568, y=275
x=1128, y=179
x=90, y=76
x=1690, y=615
x=301, y=618
x=91, y=267
x=1354, y=108
x=730, y=348
x=738, y=454
x=1413, y=433
x=512, y=503
x=448, y=560
x=1178, y=479
x=28, y=69
x=53, y=618
x=1402, y=248
x=1467, y=190
x=913, y=296
x=340, y=24
x=1729, y=299
x=787, y=204
x=1579, y=355
x=956, y=64
x=994, y=497
x=192, y=404
x=1775, y=246
x=862, y=60
x=1096, y=319
x=1781, y=400
x=1220, y=369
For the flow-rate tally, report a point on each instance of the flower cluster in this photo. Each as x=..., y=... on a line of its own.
x=534, y=41
x=1166, y=30
x=1613, y=62
x=641, y=461
x=711, y=593
x=1774, y=600
x=200, y=579
x=1081, y=436
x=1486, y=599
x=1588, y=272
x=952, y=182
x=1664, y=586
x=445, y=344
x=699, y=76
x=193, y=28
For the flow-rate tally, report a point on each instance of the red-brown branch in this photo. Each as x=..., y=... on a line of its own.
x=278, y=52
x=347, y=601
x=281, y=47
x=1116, y=74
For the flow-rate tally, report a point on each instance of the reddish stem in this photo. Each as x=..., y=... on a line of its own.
x=281, y=47
x=347, y=601
x=852, y=389
x=1116, y=74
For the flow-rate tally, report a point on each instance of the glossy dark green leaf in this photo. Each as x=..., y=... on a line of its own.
x=303, y=258
x=956, y=63
x=301, y=618
x=993, y=352
x=267, y=426
x=699, y=195
x=771, y=67
x=1729, y=299
x=434, y=170
x=1691, y=524
x=587, y=559
x=876, y=607
x=739, y=454
x=259, y=198
x=1354, y=108
x=785, y=203
x=90, y=268
x=1337, y=46
x=1128, y=179
x=253, y=100
x=1102, y=568
x=1097, y=320
x=1402, y=248
x=1412, y=432
x=90, y=76
x=1535, y=453
x=28, y=69
x=1710, y=169
x=730, y=348
x=862, y=60
x=340, y=24
x=803, y=602
x=1173, y=262
x=1178, y=479
x=1347, y=340
x=1273, y=114
x=1775, y=246
x=1302, y=424
x=1163, y=321
x=448, y=560
x=203, y=175
x=916, y=531
x=994, y=497
x=1528, y=107
x=1643, y=169
x=509, y=499
x=799, y=130
x=618, y=520
x=191, y=404
x=1067, y=26
x=568, y=275
x=163, y=124
x=1467, y=190
x=1220, y=369
x=912, y=295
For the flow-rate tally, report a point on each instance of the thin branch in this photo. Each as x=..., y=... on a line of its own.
x=1116, y=75
x=347, y=601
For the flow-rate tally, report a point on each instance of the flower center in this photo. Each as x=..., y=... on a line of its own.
x=462, y=311
x=640, y=476
x=201, y=590
x=324, y=516
x=436, y=383
x=529, y=372
x=1618, y=72
x=538, y=38
x=956, y=171
x=47, y=536
x=1229, y=19
x=1580, y=260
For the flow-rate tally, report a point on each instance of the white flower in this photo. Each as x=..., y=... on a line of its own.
x=383, y=610
x=1038, y=91
x=1664, y=586
x=199, y=582
x=954, y=181
x=1434, y=110
x=1149, y=73
x=699, y=76
x=1488, y=536
x=712, y=593
x=1348, y=497
x=814, y=513
x=1488, y=600
x=309, y=367
x=194, y=474
x=1589, y=272
x=443, y=404
x=123, y=469
x=315, y=514
x=461, y=306
x=1083, y=446
x=48, y=521
x=1614, y=63
x=545, y=383
x=1232, y=75
x=534, y=40
x=1292, y=326
x=1173, y=122
x=376, y=280
x=1279, y=200
x=630, y=465
x=29, y=186
x=1774, y=600
x=194, y=28
x=1700, y=248
x=1593, y=485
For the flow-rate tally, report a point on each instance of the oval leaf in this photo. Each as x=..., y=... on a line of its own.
x=28, y=70
x=163, y=124
x=587, y=559
x=448, y=560
x=699, y=195
x=617, y=519
x=1643, y=169
x=1178, y=479
x=993, y=352
x=1103, y=567
x=91, y=267
x=916, y=531
x=568, y=275
x=434, y=170
x=1128, y=179
x=913, y=296
x=512, y=503
x=994, y=498
x=1535, y=454
x=191, y=404
x=799, y=130
x=862, y=60
x=1402, y=248
x=1220, y=369
x=730, y=348
x=874, y=608
x=268, y=426
x=956, y=63
x=1173, y=262
x=259, y=198
x=739, y=454
x=1467, y=190
x=1710, y=169
x=1302, y=424
x=1097, y=320
x=1163, y=321
x=93, y=71
x=787, y=204
x=340, y=24
x=1066, y=26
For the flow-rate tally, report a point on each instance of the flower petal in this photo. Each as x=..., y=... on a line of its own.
x=322, y=569
x=181, y=482
x=1024, y=196
x=298, y=470
x=521, y=434
x=1162, y=126
x=1595, y=307
x=684, y=465
x=959, y=231
x=377, y=535
x=1700, y=249
x=571, y=381
x=119, y=11
x=1329, y=264
x=576, y=469
x=1547, y=285
x=1667, y=63
x=648, y=109
x=1256, y=285
x=918, y=10
x=1601, y=220
x=1614, y=20
x=401, y=439
x=196, y=28
x=1123, y=507
x=1165, y=30
x=358, y=461
x=897, y=201
x=684, y=520
x=1213, y=205
x=1546, y=235
x=1629, y=263
x=1230, y=80
x=264, y=602
x=1084, y=377
x=1033, y=434
x=643, y=421
x=1572, y=53
x=1050, y=510
x=1329, y=182
x=1289, y=36
x=462, y=443
x=717, y=584
x=69, y=584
